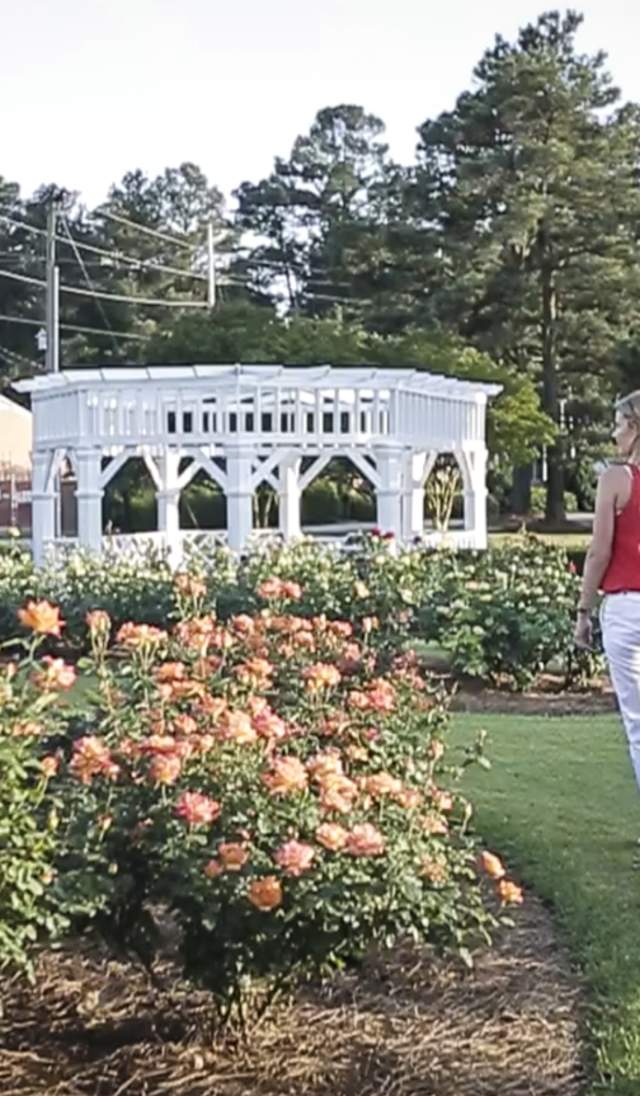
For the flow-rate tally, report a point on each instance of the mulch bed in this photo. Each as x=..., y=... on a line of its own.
x=408, y=1025
x=547, y=698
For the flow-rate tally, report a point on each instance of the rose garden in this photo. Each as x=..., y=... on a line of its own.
x=235, y=798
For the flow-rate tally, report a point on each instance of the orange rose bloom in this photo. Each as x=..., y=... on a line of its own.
x=321, y=676
x=338, y=793
x=266, y=893
x=140, y=635
x=255, y=672
x=294, y=857
x=41, y=617
x=197, y=809
x=332, y=836
x=196, y=634
x=435, y=824
x=190, y=585
x=509, y=893
x=91, y=757
x=98, y=622
x=325, y=765
x=242, y=624
x=365, y=840
x=165, y=769
x=381, y=784
x=56, y=675
x=49, y=766
x=26, y=730
x=170, y=672
x=287, y=775
x=237, y=727
x=435, y=871
x=491, y=864
x=213, y=869
x=233, y=855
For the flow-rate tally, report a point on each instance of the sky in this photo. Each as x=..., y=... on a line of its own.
x=90, y=89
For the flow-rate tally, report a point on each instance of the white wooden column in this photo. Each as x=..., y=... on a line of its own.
x=168, y=500
x=389, y=463
x=43, y=505
x=289, y=498
x=473, y=464
x=239, y=494
x=414, y=477
x=89, y=495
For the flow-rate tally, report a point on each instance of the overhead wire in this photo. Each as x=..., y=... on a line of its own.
x=105, y=296
x=117, y=256
x=73, y=327
x=87, y=278
x=142, y=228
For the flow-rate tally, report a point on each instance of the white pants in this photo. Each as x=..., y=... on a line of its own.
x=620, y=620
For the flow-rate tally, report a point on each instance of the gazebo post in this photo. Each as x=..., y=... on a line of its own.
x=168, y=500
x=89, y=495
x=239, y=494
x=289, y=498
x=389, y=463
x=473, y=464
x=43, y=505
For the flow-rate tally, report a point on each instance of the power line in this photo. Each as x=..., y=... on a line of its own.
x=74, y=327
x=105, y=296
x=65, y=225
x=143, y=228
x=118, y=256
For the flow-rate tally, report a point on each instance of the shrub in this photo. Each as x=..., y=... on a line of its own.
x=503, y=613
x=275, y=784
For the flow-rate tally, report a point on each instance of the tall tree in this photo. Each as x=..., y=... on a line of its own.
x=532, y=184
x=321, y=216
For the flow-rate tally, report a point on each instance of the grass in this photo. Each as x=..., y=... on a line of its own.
x=560, y=804
x=571, y=542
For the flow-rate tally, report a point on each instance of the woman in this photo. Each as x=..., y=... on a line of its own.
x=613, y=565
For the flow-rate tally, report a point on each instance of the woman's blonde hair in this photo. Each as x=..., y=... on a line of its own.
x=629, y=408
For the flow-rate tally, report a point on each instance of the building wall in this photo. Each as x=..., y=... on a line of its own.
x=16, y=432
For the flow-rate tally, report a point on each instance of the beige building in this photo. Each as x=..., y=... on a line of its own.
x=15, y=438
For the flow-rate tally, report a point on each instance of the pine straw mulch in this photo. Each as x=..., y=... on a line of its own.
x=408, y=1025
x=547, y=698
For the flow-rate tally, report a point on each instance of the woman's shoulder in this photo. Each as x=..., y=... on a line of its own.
x=617, y=472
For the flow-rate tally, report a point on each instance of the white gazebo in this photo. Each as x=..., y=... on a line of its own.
x=245, y=425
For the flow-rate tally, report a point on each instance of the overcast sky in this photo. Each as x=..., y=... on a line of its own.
x=89, y=90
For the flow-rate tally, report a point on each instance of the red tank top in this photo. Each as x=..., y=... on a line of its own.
x=623, y=572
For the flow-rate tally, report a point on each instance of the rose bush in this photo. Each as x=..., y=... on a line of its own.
x=274, y=783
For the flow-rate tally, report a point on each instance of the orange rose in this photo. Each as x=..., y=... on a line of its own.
x=233, y=855
x=49, y=766
x=237, y=727
x=91, y=757
x=381, y=784
x=491, y=864
x=190, y=585
x=213, y=869
x=26, y=729
x=98, y=623
x=365, y=840
x=435, y=824
x=325, y=764
x=56, y=675
x=509, y=893
x=332, y=836
x=287, y=775
x=338, y=793
x=140, y=635
x=294, y=857
x=321, y=676
x=197, y=809
x=266, y=893
x=170, y=672
x=196, y=634
x=41, y=617
x=435, y=871
x=255, y=672
x=165, y=769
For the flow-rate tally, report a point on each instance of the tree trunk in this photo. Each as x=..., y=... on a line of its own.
x=550, y=394
x=521, y=489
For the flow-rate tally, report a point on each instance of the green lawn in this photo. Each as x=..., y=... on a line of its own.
x=561, y=805
x=571, y=542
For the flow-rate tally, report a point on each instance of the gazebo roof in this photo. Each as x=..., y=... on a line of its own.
x=273, y=376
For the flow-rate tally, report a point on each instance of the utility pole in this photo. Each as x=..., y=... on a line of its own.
x=53, y=293
x=211, y=267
